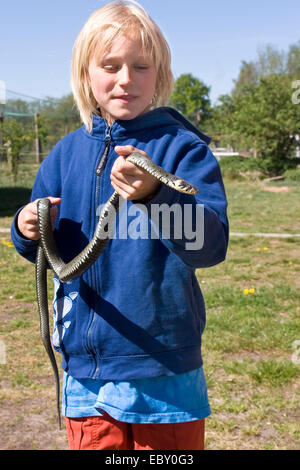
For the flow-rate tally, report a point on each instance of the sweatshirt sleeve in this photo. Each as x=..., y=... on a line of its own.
x=194, y=227
x=24, y=246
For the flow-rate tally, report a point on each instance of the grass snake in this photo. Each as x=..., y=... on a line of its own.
x=47, y=252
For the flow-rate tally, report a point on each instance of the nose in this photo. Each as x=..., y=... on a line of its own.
x=124, y=76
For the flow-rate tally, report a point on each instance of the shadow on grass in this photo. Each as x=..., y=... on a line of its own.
x=11, y=198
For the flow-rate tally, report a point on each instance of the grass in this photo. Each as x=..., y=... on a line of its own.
x=253, y=312
x=256, y=207
x=248, y=341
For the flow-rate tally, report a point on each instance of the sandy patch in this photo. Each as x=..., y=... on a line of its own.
x=276, y=189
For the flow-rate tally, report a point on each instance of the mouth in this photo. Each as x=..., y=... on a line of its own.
x=126, y=98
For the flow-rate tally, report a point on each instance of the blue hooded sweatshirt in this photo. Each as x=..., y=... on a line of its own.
x=138, y=311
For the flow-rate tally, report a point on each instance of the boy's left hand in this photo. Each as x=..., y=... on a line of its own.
x=130, y=181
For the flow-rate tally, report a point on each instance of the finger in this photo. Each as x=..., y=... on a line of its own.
x=125, y=178
x=119, y=191
x=126, y=191
x=122, y=182
x=126, y=150
x=127, y=182
x=53, y=211
x=33, y=229
x=54, y=200
x=121, y=169
x=32, y=208
x=53, y=215
x=29, y=216
x=32, y=233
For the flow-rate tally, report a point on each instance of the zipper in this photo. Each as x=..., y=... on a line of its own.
x=99, y=170
x=90, y=346
x=101, y=165
x=104, y=155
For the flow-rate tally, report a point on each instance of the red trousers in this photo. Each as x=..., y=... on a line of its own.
x=106, y=433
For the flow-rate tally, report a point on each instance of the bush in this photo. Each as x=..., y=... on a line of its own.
x=293, y=175
x=236, y=168
x=276, y=166
x=241, y=168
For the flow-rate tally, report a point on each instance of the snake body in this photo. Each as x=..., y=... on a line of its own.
x=47, y=252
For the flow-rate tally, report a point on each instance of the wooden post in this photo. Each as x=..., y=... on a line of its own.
x=38, y=156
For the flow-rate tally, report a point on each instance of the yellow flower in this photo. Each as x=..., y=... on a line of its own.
x=252, y=290
x=290, y=262
x=265, y=248
x=246, y=291
x=6, y=243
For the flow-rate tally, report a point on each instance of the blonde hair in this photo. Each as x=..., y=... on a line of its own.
x=101, y=29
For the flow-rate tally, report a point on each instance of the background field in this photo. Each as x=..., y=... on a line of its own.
x=252, y=361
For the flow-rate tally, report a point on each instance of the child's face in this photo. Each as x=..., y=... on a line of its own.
x=123, y=80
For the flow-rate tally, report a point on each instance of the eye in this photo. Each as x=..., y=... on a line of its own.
x=110, y=67
x=141, y=67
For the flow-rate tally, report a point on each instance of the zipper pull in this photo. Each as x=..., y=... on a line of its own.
x=108, y=133
x=104, y=155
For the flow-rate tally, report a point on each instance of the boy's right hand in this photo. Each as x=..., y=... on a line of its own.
x=28, y=218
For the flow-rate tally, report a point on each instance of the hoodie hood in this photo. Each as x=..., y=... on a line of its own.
x=157, y=118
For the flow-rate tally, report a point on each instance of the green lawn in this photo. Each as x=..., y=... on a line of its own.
x=253, y=322
x=256, y=207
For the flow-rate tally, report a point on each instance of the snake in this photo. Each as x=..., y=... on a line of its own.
x=48, y=253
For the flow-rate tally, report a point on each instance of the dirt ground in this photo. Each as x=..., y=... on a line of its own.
x=31, y=424
x=28, y=426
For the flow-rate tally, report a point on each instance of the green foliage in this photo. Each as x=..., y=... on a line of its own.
x=60, y=117
x=293, y=60
x=266, y=119
x=259, y=117
x=190, y=96
x=292, y=175
x=235, y=167
x=269, y=61
x=56, y=118
x=42, y=130
x=15, y=135
x=262, y=119
x=221, y=122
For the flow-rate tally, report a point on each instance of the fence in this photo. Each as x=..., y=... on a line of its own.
x=42, y=121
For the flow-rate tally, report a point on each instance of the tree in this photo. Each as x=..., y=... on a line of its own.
x=191, y=98
x=221, y=122
x=269, y=61
x=247, y=75
x=15, y=136
x=60, y=117
x=264, y=119
x=293, y=60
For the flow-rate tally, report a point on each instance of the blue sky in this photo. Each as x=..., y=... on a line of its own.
x=207, y=38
